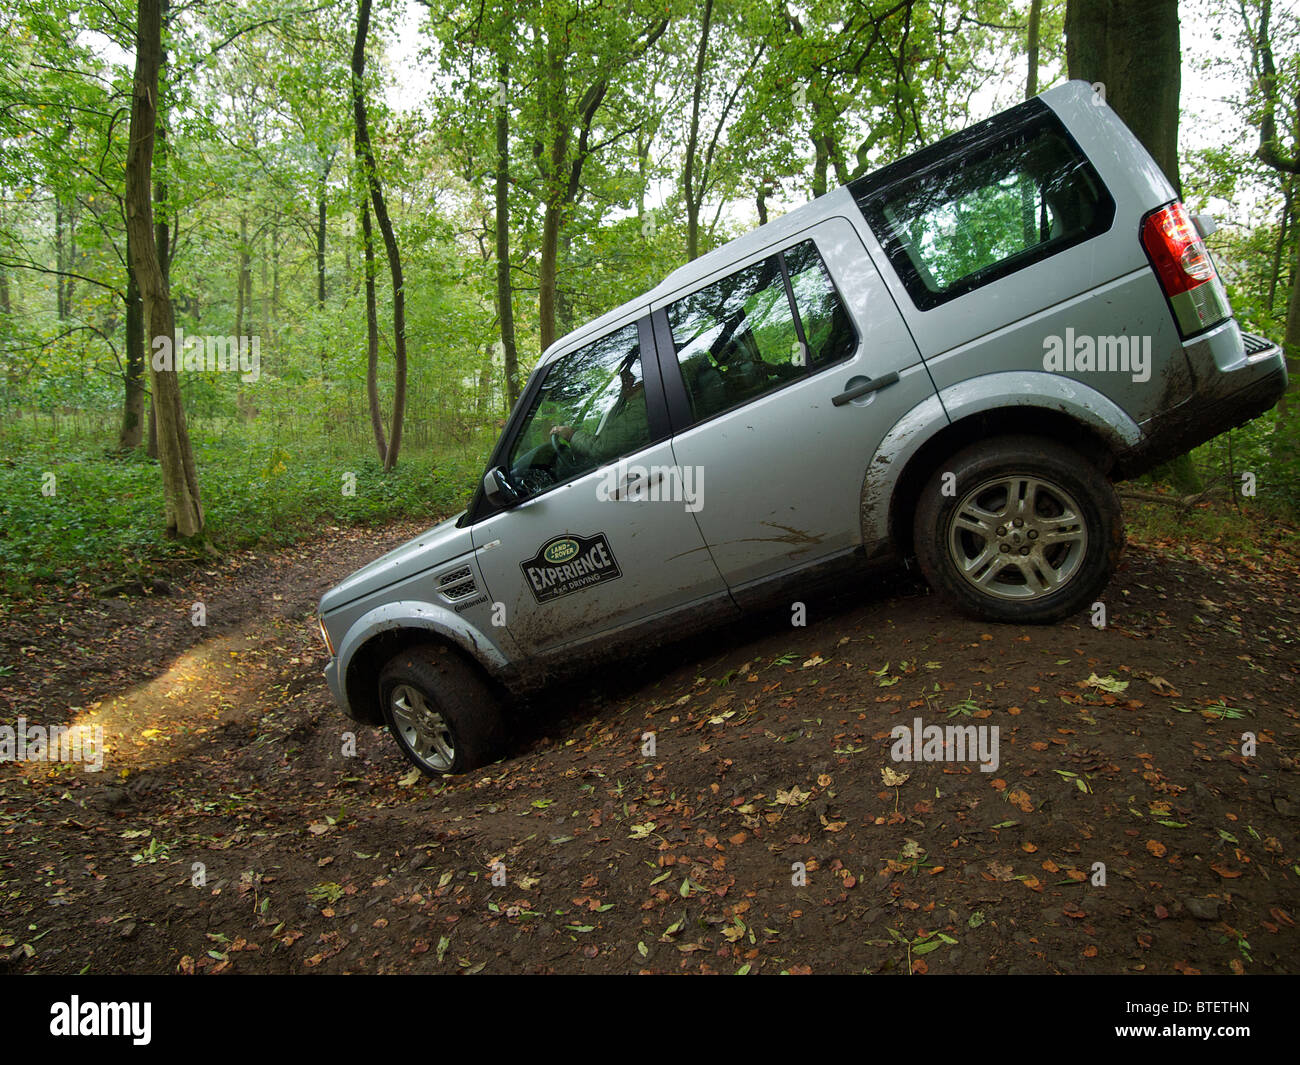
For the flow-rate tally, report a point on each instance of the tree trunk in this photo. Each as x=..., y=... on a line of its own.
x=184, y=508
x=821, y=165
x=243, y=279
x=563, y=293
x=60, y=307
x=505, y=292
x=366, y=158
x=694, y=198
x=131, y=434
x=1273, y=154
x=1035, y=23
x=372, y=336
x=546, y=274
x=1132, y=48
x=264, y=267
x=1291, y=338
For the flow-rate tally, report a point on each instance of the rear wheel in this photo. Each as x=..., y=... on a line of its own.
x=441, y=710
x=1019, y=529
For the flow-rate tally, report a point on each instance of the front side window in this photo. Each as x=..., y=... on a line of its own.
x=741, y=337
x=590, y=410
x=982, y=215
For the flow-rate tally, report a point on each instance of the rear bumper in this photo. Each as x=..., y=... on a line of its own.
x=1238, y=378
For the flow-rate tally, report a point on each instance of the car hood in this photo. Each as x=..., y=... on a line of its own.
x=439, y=545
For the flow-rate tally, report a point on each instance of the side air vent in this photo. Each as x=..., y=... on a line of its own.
x=458, y=584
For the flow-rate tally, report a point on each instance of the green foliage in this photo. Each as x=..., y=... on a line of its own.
x=100, y=522
x=257, y=144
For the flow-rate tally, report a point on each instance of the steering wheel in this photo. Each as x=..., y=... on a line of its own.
x=564, y=456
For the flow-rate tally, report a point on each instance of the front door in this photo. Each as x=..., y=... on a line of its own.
x=605, y=537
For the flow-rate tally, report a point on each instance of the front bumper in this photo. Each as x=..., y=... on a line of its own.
x=336, y=686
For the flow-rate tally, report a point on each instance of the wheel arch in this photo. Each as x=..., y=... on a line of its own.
x=1097, y=429
x=388, y=631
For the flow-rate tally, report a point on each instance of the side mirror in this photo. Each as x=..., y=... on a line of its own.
x=1205, y=224
x=499, y=489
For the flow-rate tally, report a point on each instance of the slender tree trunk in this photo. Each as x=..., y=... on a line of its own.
x=131, y=434
x=322, y=195
x=821, y=166
x=372, y=336
x=1279, y=248
x=1291, y=338
x=546, y=274
x=264, y=266
x=1273, y=153
x=563, y=294
x=505, y=291
x=694, y=197
x=1035, y=23
x=366, y=158
x=60, y=263
x=184, y=508
x=273, y=332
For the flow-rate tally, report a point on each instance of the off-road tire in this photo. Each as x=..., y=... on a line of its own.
x=1025, y=578
x=428, y=683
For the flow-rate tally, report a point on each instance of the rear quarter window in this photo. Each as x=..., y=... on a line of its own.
x=1001, y=204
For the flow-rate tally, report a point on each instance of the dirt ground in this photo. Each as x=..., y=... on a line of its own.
x=232, y=830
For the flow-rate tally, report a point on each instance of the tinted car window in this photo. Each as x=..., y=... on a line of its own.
x=985, y=213
x=590, y=410
x=829, y=334
x=740, y=337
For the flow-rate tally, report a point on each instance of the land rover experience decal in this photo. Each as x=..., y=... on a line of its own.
x=569, y=563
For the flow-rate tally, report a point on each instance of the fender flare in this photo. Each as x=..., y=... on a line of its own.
x=978, y=395
x=404, y=614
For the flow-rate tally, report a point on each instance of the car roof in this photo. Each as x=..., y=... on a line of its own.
x=834, y=202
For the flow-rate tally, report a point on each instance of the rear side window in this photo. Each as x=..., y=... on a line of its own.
x=988, y=211
x=759, y=329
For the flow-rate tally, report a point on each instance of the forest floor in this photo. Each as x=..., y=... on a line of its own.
x=228, y=832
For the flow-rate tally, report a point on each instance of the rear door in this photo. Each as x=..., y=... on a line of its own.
x=782, y=376
x=599, y=543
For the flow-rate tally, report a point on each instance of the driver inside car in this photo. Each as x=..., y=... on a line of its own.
x=625, y=428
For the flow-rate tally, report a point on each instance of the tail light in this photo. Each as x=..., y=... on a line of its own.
x=1185, y=270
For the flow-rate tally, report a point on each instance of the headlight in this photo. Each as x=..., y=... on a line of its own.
x=325, y=634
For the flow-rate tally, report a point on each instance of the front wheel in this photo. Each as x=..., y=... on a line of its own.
x=1018, y=529
x=444, y=715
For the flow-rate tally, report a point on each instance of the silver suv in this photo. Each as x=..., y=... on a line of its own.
x=952, y=358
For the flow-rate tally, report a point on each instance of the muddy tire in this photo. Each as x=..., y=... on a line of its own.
x=441, y=710
x=1018, y=529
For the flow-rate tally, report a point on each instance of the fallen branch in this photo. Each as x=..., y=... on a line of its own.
x=1182, y=503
